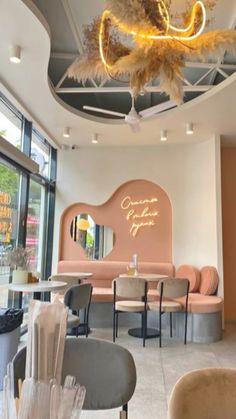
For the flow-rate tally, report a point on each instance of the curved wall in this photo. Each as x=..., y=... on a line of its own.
x=139, y=212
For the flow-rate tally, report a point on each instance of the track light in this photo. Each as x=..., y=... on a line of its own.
x=189, y=128
x=95, y=138
x=15, y=54
x=66, y=132
x=163, y=135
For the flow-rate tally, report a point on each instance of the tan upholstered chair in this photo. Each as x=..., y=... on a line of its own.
x=134, y=292
x=168, y=290
x=204, y=394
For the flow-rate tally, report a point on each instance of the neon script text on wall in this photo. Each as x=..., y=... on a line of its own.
x=141, y=213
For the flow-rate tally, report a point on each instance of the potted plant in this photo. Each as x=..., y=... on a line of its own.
x=18, y=259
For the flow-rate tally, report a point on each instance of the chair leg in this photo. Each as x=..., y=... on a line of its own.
x=114, y=325
x=171, y=324
x=144, y=327
x=124, y=412
x=160, y=328
x=186, y=324
x=87, y=323
x=117, y=318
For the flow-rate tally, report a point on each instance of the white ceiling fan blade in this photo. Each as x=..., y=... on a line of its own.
x=134, y=127
x=157, y=109
x=106, y=111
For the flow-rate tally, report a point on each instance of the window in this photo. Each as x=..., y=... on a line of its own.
x=35, y=225
x=10, y=124
x=10, y=180
x=40, y=153
x=26, y=200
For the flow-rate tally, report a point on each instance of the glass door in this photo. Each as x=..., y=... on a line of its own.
x=35, y=226
x=10, y=184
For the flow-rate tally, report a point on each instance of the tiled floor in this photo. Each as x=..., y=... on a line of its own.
x=159, y=369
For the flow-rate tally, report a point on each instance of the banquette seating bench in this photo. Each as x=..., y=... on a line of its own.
x=104, y=271
x=205, y=307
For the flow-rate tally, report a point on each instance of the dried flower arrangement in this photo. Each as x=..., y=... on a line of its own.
x=18, y=258
x=148, y=57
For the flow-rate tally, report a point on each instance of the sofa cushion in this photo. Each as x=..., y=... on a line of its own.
x=192, y=274
x=198, y=303
x=209, y=280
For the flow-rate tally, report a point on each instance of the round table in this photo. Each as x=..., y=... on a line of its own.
x=137, y=331
x=147, y=276
x=37, y=288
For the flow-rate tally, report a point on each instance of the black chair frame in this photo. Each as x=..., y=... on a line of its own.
x=162, y=312
x=117, y=312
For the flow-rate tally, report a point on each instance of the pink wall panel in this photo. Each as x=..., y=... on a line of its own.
x=228, y=167
x=140, y=214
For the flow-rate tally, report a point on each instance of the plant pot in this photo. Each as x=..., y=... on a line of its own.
x=19, y=277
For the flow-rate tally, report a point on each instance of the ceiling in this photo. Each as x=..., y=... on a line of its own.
x=50, y=34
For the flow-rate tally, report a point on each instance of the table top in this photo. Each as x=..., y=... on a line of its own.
x=149, y=277
x=41, y=286
x=79, y=275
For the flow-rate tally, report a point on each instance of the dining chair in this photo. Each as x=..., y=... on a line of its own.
x=107, y=371
x=78, y=298
x=70, y=280
x=134, y=292
x=168, y=290
x=204, y=394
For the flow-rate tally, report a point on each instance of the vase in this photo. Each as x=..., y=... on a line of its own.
x=19, y=276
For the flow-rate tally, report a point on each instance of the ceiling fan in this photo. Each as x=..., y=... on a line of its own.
x=133, y=117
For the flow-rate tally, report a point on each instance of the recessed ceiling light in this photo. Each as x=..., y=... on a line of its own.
x=95, y=138
x=189, y=128
x=66, y=132
x=15, y=54
x=163, y=135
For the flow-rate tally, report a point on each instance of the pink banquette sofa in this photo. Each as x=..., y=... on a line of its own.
x=203, y=283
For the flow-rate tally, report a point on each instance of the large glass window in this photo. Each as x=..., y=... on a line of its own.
x=40, y=153
x=26, y=200
x=10, y=124
x=35, y=225
x=10, y=180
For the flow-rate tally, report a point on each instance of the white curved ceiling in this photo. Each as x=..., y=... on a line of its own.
x=213, y=112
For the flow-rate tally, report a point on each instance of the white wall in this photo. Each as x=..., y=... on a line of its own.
x=188, y=173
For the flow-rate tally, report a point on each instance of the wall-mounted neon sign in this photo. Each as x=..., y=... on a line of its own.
x=141, y=213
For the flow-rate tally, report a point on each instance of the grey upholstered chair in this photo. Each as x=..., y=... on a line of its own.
x=204, y=394
x=78, y=298
x=105, y=369
x=134, y=292
x=168, y=290
x=70, y=280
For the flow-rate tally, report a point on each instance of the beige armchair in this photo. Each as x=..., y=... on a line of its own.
x=168, y=290
x=204, y=394
x=133, y=292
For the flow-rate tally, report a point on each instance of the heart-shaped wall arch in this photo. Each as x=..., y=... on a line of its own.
x=140, y=214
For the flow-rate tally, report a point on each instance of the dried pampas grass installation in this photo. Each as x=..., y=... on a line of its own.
x=144, y=59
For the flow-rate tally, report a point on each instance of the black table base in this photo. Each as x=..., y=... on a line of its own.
x=138, y=333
